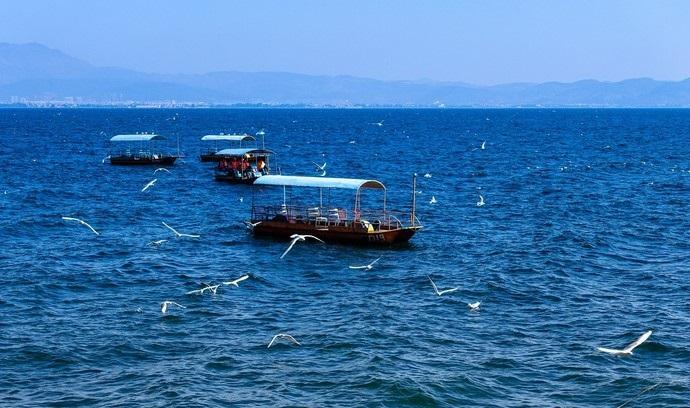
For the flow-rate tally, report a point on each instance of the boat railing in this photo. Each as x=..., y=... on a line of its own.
x=324, y=216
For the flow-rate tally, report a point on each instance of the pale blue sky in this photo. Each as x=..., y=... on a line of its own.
x=482, y=42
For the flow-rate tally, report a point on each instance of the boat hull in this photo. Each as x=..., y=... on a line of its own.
x=336, y=234
x=142, y=161
x=228, y=178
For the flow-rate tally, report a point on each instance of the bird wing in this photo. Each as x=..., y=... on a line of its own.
x=90, y=227
x=377, y=259
x=189, y=235
x=357, y=267
x=447, y=291
x=164, y=307
x=433, y=284
x=171, y=229
x=294, y=240
x=178, y=305
x=272, y=341
x=311, y=236
x=241, y=278
x=191, y=292
x=637, y=342
x=610, y=351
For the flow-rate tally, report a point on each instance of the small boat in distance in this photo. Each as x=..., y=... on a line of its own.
x=139, y=149
x=209, y=154
x=242, y=166
x=331, y=223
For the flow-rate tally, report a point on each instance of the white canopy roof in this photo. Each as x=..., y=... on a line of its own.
x=143, y=137
x=233, y=138
x=319, y=182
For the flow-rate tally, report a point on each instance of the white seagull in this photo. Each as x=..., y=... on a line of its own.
x=474, y=306
x=433, y=200
x=378, y=123
x=321, y=167
x=236, y=281
x=82, y=223
x=427, y=175
x=481, y=201
x=367, y=267
x=149, y=185
x=158, y=242
x=629, y=349
x=298, y=237
x=161, y=169
x=250, y=225
x=282, y=336
x=212, y=288
x=165, y=304
x=442, y=292
x=483, y=145
x=179, y=235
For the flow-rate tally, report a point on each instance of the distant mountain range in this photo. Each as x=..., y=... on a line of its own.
x=33, y=72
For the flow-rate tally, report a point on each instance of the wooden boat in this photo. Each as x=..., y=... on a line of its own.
x=209, y=155
x=330, y=223
x=242, y=166
x=139, y=150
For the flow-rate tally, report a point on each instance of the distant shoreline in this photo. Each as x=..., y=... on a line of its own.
x=323, y=107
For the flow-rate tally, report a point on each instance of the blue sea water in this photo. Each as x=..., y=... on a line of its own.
x=583, y=242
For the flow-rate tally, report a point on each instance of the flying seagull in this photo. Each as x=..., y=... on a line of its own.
x=236, y=281
x=149, y=185
x=179, y=235
x=433, y=200
x=427, y=175
x=481, y=201
x=161, y=169
x=378, y=123
x=442, y=292
x=474, y=306
x=298, y=237
x=212, y=288
x=367, y=267
x=82, y=223
x=629, y=349
x=483, y=145
x=158, y=242
x=250, y=225
x=321, y=167
x=282, y=336
x=165, y=304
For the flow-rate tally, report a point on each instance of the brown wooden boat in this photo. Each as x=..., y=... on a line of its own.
x=139, y=150
x=331, y=224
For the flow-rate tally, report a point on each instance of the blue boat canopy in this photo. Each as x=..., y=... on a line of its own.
x=138, y=137
x=233, y=138
x=242, y=152
x=319, y=182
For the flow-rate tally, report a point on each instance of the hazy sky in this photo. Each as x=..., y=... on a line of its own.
x=482, y=42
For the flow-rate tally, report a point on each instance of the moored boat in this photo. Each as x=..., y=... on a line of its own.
x=209, y=154
x=331, y=223
x=139, y=149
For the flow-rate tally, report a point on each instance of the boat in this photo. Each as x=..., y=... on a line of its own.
x=209, y=154
x=243, y=165
x=139, y=150
x=330, y=223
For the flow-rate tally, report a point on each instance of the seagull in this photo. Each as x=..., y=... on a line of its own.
x=241, y=199
x=353, y=141
x=433, y=200
x=236, y=281
x=158, y=243
x=161, y=169
x=104, y=159
x=440, y=293
x=82, y=223
x=629, y=349
x=298, y=237
x=483, y=145
x=378, y=123
x=481, y=201
x=149, y=185
x=250, y=225
x=282, y=336
x=474, y=306
x=179, y=235
x=367, y=267
x=427, y=175
x=260, y=133
x=165, y=304
x=212, y=288
x=320, y=168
